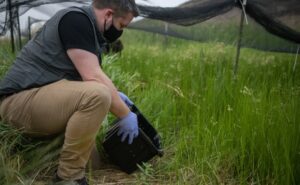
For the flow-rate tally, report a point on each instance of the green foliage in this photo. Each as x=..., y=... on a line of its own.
x=6, y=57
x=22, y=158
x=216, y=129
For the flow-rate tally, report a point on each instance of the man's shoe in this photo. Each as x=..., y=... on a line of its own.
x=58, y=181
x=82, y=181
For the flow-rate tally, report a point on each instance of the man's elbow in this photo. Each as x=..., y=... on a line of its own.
x=96, y=78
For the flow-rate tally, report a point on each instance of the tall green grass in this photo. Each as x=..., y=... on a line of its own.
x=215, y=130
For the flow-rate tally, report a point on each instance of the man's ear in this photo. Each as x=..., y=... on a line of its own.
x=109, y=12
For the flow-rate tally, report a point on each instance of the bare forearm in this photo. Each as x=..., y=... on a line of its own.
x=118, y=107
x=88, y=66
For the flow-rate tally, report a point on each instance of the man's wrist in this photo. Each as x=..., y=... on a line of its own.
x=128, y=115
x=125, y=113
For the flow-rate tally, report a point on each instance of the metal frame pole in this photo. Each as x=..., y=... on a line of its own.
x=12, y=39
x=295, y=64
x=166, y=33
x=29, y=28
x=296, y=59
x=19, y=29
x=240, y=38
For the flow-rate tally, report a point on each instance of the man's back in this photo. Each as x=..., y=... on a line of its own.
x=42, y=60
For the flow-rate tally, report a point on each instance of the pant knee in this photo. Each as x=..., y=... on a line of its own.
x=96, y=94
x=103, y=94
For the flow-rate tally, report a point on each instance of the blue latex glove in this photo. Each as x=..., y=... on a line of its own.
x=128, y=126
x=127, y=101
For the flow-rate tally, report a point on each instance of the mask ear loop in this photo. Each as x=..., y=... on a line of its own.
x=102, y=34
x=105, y=21
x=104, y=27
x=112, y=20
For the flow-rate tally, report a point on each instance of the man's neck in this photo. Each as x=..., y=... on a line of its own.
x=99, y=16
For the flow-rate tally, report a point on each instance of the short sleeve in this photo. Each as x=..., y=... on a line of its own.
x=76, y=31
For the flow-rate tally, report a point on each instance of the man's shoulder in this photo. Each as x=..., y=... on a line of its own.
x=75, y=19
x=76, y=16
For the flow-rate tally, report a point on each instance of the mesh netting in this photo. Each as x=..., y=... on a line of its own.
x=189, y=13
x=19, y=7
x=273, y=24
x=222, y=28
x=278, y=17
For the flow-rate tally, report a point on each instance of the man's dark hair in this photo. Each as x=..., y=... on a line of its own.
x=121, y=7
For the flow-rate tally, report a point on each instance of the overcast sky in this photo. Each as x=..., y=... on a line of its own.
x=163, y=3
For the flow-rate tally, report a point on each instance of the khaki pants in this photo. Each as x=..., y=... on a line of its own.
x=76, y=108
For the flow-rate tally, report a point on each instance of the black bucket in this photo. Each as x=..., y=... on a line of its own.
x=143, y=148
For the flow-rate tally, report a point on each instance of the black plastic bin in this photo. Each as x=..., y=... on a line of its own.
x=143, y=148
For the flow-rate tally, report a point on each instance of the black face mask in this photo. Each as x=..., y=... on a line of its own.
x=112, y=34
